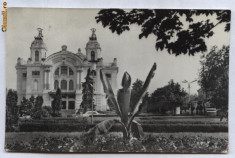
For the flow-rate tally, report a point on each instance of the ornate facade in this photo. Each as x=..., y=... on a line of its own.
x=42, y=75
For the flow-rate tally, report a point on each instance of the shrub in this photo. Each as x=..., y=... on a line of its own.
x=78, y=125
x=54, y=125
x=49, y=110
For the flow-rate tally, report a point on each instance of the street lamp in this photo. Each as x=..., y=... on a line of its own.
x=189, y=86
x=93, y=70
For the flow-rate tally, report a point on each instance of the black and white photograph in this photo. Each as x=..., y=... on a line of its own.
x=113, y=80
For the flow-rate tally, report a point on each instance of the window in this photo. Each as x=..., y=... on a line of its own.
x=71, y=85
x=71, y=105
x=63, y=104
x=71, y=96
x=36, y=55
x=64, y=70
x=35, y=73
x=92, y=55
x=56, y=84
x=35, y=85
x=109, y=76
x=57, y=72
x=24, y=75
x=70, y=72
x=64, y=85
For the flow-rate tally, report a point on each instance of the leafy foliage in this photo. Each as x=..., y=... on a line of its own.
x=177, y=31
x=101, y=128
x=111, y=100
x=57, y=103
x=135, y=93
x=167, y=97
x=11, y=110
x=48, y=111
x=156, y=144
x=11, y=99
x=87, y=92
x=26, y=106
x=37, y=112
x=33, y=107
x=214, y=76
x=121, y=106
x=137, y=130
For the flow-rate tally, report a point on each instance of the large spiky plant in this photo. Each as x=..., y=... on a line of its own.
x=121, y=104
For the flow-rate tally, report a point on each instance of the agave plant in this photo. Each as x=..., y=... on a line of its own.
x=130, y=127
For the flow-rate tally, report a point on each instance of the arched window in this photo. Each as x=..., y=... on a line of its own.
x=71, y=85
x=35, y=85
x=56, y=84
x=64, y=70
x=92, y=55
x=70, y=72
x=36, y=55
x=64, y=85
x=57, y=72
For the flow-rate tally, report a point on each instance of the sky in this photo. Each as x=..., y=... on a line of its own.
x=72, y=28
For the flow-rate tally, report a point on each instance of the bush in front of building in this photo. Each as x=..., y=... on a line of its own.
x=80, y=125
x=54, y=124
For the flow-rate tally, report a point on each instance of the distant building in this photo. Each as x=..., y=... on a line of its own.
x=42, y=75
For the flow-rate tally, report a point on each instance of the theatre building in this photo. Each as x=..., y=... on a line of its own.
x=42, y=74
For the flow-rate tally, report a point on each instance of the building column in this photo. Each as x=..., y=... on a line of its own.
x=45, y=79
x=67, y=102
x=47, y=85
x=49, y=79
x=79, y=79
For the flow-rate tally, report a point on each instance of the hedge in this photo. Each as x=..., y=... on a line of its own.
x=81, y=127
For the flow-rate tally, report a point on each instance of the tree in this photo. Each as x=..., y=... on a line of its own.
x=167, y=97
x=32, y=100
x=39, y=102
x=214, y=76
x=25, y=107
x=135, y=93
x=87, y=92
x=37, y=111
x=11, y=110
x=11, y=100
x=57, y=103
x=176, y=31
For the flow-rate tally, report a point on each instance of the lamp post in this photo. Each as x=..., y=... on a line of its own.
x=93, y=69
x=189, y=86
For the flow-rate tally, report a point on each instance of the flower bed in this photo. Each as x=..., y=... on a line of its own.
x=114, y=143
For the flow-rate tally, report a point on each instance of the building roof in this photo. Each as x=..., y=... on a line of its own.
x=38, y=41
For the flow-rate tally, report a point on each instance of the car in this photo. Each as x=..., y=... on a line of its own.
x=89, y=113
x=25, y=117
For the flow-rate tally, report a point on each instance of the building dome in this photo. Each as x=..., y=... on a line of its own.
x=92, y=43
x=38, y=41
